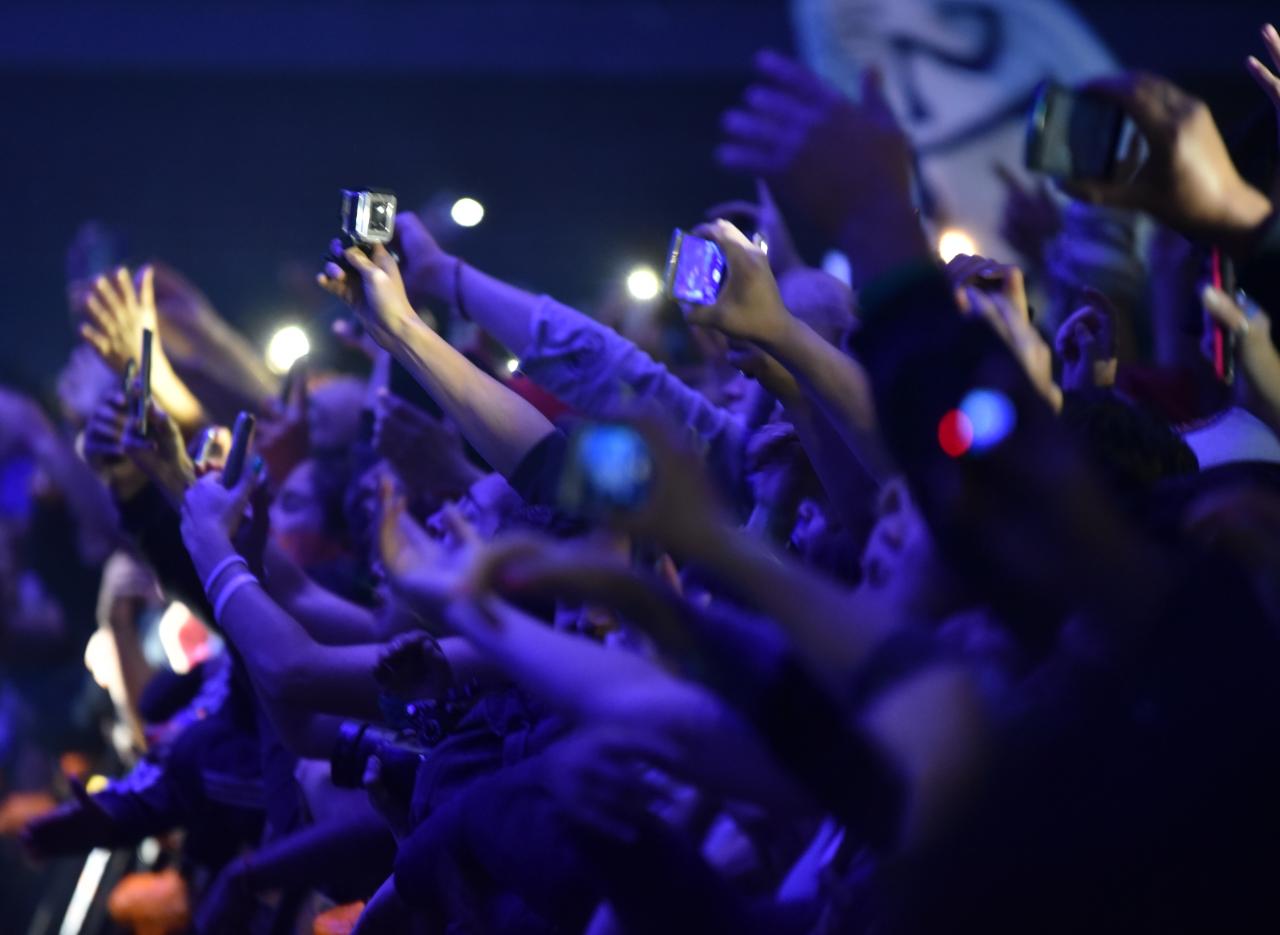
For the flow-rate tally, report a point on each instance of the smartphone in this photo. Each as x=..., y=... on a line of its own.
x=143, y=402
x=608, y=469
x=206, y=446
x=695, y=269
x=1223, y=273
x=241, y=435
x=1081, y=136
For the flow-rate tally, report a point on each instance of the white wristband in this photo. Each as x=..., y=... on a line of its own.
x=218, y=569
x=234, y=585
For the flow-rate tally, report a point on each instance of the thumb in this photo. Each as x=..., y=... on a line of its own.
x=1224, y=311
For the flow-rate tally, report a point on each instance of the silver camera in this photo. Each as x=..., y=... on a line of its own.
x=368, y=217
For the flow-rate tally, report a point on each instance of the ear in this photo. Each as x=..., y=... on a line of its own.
x=894, y=508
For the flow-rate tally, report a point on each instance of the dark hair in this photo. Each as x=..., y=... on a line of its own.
x=1133, y=447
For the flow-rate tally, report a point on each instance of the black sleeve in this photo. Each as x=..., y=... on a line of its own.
x=152, y=524
x=537, y=477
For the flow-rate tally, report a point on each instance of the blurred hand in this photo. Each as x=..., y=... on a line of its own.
x=1189, y=180
x=425, y=452
x=116, y=311
x=161, y=453
x=748, y=307
x=375, y=293
x=429, y=272
x=844, y=166
x=683, y=511
x=997, y=293
x=1256, y=355
x=418, y=568
x=1086, y=346
x=1031, y=217
x=1266, y=79
x=212, y=514
x=412, y=666
x=764, y=216
x=75, y=827
x=282, y=437
x=597, y=777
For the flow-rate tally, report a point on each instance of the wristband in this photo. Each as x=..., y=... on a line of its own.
x=219, y=568
x=234, y=585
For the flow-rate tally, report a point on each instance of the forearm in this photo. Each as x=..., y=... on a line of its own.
x=833, y=630
x=593, y=684
x=503, y=310
x=597, y=371
x=287, y=666
x=134, y=670
x=498, y=423
x=837, y=388
x=850, y=489
x=327, y=618
x=174, y=397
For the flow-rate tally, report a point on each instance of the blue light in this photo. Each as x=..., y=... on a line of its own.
x=992, y=416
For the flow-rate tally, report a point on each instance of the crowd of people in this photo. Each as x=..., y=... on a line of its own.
x=949, y=603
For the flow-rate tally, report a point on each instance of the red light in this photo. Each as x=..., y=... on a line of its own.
x=955, y=433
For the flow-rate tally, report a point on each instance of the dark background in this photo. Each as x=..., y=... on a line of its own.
x=216, y=135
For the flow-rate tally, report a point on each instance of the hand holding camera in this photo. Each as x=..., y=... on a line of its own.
x=1188, y=179
x=373, y=290
x=747, y=306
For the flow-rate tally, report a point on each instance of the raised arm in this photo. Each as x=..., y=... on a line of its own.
x=499, y=424
x=116, y=310
x=583, y=362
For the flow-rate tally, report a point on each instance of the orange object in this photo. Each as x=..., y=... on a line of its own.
x=340, y=920
x=21, y=808
x=74, y=764
x=151, y=903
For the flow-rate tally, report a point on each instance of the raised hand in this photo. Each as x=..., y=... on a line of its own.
x=375, y=293
x=430, y=274
x=160, y=454
x=1188, y=180
x=844, y=166
x=212, y=515
x=598, y=777
x=1267, y=80
x=764, y=215
x=116, y=311
x=418, y=568
x=1086, y=345
x=997, y=293
x=412, y=666
x=283, y=438
x=749, y=307
x=1031, y=217
x=1256, y=355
